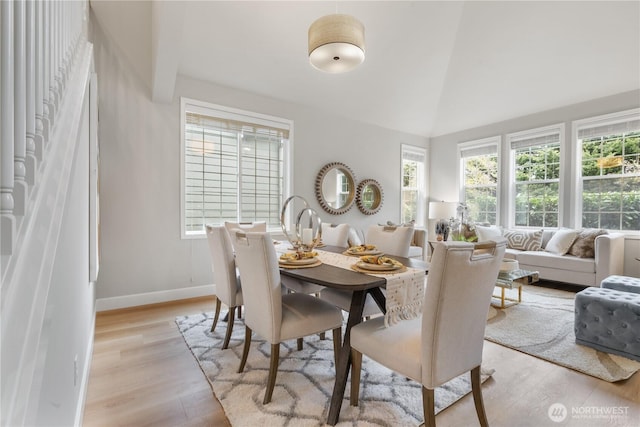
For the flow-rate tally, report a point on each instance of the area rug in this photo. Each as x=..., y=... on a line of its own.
x=542, y=326
x=304, y=383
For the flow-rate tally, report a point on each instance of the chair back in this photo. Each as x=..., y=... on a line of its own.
x=460, y=283
x=247, y=227
x=223, y=265
x=258, y=264
x=335, y=234
x=391, y=240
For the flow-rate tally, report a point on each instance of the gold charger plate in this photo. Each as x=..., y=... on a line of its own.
x=303, y=261
x=315, y=262
x=356, y=267
x=378, y=267
x=361, y=253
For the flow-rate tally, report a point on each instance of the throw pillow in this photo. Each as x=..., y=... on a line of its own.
x=485, y=233
x=584, y=245
x=524, y=240
x=561, y=241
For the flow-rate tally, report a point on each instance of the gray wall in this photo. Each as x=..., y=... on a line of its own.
x=443, y=167
x=141, y=248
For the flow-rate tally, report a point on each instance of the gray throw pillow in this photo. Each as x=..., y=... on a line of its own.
x=584, y=245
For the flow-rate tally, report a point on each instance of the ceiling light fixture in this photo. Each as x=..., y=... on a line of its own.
x=336, y=43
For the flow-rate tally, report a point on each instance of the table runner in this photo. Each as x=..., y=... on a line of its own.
x=405, y=290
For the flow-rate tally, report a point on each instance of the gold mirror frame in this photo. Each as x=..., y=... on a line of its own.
x=327, y=201
x=369, y=204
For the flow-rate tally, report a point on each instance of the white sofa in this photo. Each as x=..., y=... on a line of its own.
x=608, y=260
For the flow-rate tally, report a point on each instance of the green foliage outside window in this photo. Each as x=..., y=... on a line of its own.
x=611, y=182
x=480, y=188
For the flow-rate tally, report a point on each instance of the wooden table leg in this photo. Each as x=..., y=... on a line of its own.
x=344, y=361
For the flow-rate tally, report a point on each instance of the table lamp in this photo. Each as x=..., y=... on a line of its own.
x=442, y=211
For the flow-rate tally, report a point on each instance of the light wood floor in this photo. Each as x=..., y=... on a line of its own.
x=143, y=374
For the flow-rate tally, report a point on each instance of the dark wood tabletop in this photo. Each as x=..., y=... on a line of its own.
x=361, y=284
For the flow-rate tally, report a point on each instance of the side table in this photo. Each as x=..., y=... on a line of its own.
x=513, y=279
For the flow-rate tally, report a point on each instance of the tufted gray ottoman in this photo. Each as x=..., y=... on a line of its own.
x=608, y=320
x=622, y=283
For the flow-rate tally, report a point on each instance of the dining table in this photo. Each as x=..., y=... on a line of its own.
x=360, y=284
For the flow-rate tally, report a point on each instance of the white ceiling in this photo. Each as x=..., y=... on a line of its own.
x=431, y=67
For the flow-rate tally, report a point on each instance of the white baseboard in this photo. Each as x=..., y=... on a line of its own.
x=125, y=301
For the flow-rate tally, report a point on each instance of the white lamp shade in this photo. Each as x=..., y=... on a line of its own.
x=442, y=210
x=336, y=43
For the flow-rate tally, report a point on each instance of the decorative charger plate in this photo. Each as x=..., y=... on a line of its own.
x=296, y=262
x=356, y=252
x=378, y=267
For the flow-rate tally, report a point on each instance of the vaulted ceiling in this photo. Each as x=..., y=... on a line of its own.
x=431, y=67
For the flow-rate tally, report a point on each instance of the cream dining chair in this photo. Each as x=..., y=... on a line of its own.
x=335, y=234
x=447, y=340
x=232, y=226
x=391, y=240
x=225, y=276
x=275, y=316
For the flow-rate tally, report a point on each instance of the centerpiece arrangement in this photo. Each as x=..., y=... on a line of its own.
x=462, y=226
x=306, y=234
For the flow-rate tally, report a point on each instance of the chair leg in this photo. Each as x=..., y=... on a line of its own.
x=239, y=311
x=337, y=344
x=217, y=314
x=356, y=368
x=476, y=389
x=227, y=337
x=300, y=341
x=245, y=350
x=273, y=371
x=322, y=336
x=428, y=407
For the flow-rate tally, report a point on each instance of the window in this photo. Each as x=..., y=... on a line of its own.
x=413, y=184
x=479, y=171
x=609, y=171
x=535, y=165
x=234, y=166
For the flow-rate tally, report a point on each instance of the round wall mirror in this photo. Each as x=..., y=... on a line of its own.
x=369, y=197
x=336, y=188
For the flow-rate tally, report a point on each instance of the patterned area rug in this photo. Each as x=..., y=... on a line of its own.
x=304, y=382
x=542, y=326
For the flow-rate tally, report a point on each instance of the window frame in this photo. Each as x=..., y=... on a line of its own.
x=421, y=180
x=539, y=132
x=576, y=167
x=229, y=113
x=480, y=144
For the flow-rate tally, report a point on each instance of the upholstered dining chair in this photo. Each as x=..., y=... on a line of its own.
x=225, y=276
x=447, y=340
x=335, y=234
x=390, y=239
x=232, y=226
x=275, y=316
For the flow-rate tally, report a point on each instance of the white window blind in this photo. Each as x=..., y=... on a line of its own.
x=535, y=141
x=233, y=168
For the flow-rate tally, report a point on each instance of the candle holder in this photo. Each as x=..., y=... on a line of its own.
x=302, y=239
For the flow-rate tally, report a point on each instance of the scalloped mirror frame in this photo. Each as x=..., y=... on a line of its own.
x=378, y=196
x=346, y=170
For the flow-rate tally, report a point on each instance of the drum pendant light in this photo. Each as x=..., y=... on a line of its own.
x=336, y=43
